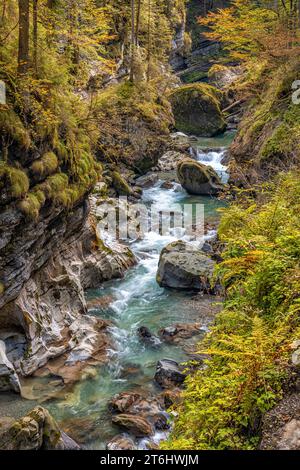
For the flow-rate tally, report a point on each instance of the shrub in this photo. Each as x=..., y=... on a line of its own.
x=249, y=346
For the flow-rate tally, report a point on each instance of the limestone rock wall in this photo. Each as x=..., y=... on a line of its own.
x=45, y=267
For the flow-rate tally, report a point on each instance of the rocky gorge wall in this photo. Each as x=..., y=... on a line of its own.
x=45, y=267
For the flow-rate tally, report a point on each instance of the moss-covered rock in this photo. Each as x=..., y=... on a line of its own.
x=197, y=110
x=120, y=185
x=134, y=122
x=268, y=137
x=35, y=431
x=197, y=178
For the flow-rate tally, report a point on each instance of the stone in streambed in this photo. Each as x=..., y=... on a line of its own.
x=124, y=402
x=183, y=266
x=136, y=425
x=198, y=179
x=197, y=110
x=147, y=181
x=147, y=337
x=168, y=374
x=135, y=404
x=175, y=334
x=169, y=160
x=121, y=442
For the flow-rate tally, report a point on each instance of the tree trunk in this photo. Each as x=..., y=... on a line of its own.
x=132, y=46
x=23, y=52
x=149, y=40
x=138, y=21
x=35, y=36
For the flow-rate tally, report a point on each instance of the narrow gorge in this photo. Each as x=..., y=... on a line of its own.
x=149, y=239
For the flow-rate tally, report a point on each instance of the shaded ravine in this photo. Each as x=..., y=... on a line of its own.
x=132, y=302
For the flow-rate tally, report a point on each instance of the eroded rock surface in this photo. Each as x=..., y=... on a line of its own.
x=45, y=267
x=35, y=431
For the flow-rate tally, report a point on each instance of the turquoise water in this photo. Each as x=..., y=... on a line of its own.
x=134, y=301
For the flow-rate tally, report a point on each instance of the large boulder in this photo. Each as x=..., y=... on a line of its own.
x=136, y=425
x=183, y=266
x=38, y=430
x=168, y=374
x=197, y=110
x=197, y=178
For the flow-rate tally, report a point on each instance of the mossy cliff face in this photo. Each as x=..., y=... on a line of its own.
x=134, y=122
x=197, y=110
x=269, y=133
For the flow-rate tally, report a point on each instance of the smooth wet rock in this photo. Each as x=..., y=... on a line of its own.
x=168, y=185
x=197, y=110
x=136, y=425
x=183, y=266
x=175, y=334
x=168, y=374
x=82, y=429
x=124, y=402
x=170, y=160
x=9, y=380
x=147, y=337
x=135, y=403
x=198, y=179
x=147, y=181
x=161, y=422
x=121, y=442
x=37, y=430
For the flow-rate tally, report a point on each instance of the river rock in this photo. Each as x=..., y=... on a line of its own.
x=197, y=178
x=168, y=374
x=124, y=402
x=121, y=442
x=147, y=337
x=147, y=181
x=197, y=110
x=9, y=380
x=183, y=266
x=136, y=425
x=37, y=430
x=175, y=334
x=46, y=265
x=170, y=160
x=135, y=403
